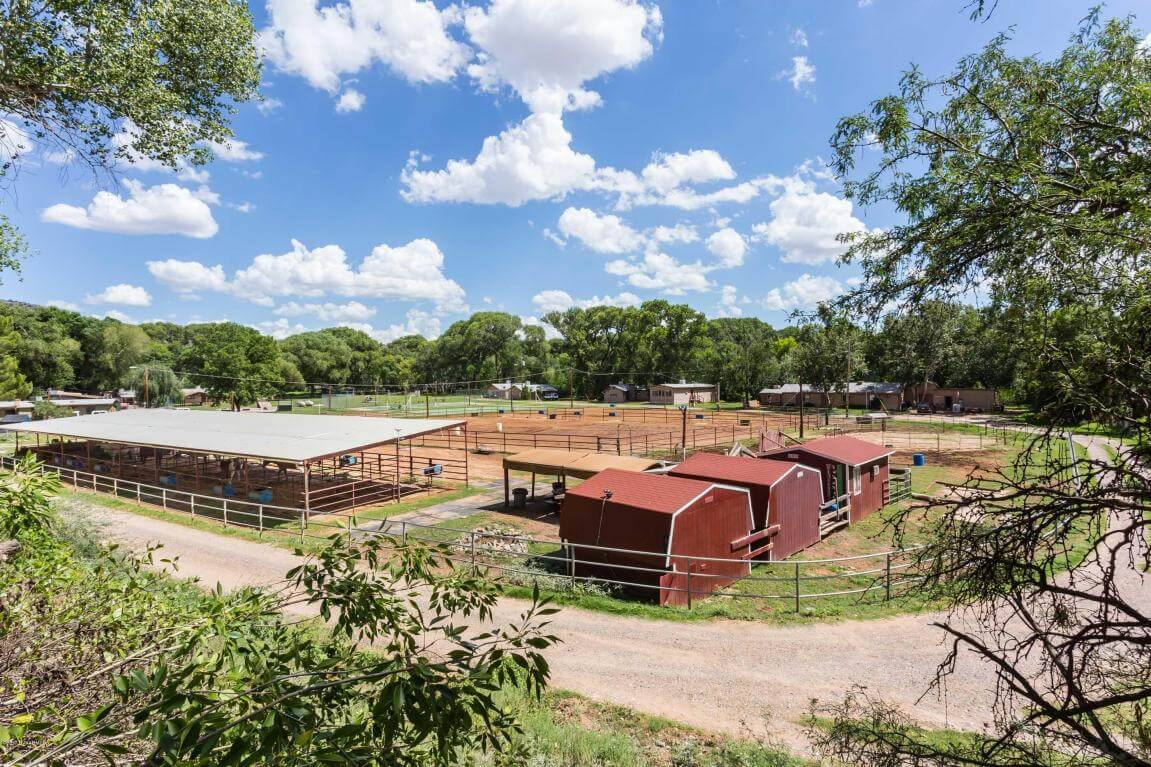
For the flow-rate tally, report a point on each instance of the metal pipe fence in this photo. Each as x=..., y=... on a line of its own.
x=549, y=564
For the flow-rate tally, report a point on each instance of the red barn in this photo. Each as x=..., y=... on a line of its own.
x=850, y=466
x=785, y=497
x=659, y=522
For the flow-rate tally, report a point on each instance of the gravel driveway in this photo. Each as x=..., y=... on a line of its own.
x=737, y=677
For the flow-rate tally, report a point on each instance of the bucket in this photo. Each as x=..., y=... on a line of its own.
x=918, y=459
x=519, y=497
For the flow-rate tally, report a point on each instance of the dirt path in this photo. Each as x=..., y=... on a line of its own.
x=725, y=676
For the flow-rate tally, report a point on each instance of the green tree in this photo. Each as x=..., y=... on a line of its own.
x=13, y=385
x=120, y=664
x=155, y=385
x=75, y=73
x=321, y=357
x=1027, y=177
x=827, y=352
x=233, y=363
x=121, y=347
x=740, y=356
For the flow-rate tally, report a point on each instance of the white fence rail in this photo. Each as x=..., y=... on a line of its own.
x=522, y=560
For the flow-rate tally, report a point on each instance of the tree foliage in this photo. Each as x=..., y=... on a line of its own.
x=1027, y=177
x=103, y=659
x=76, y=74
x=233, y=363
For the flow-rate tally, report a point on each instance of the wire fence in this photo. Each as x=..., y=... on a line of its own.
x=553, y=566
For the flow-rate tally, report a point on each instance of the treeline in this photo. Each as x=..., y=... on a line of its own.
x=951, y=344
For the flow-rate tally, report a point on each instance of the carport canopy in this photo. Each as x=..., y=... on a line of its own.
x=288, y=438
x=564, y=463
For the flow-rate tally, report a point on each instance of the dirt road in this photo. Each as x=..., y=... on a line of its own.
x=728, y=676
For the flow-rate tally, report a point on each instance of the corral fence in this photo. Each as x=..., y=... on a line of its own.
x=525, y=561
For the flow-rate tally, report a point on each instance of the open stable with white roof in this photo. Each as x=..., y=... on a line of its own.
x=268, y=436
x=322, y=463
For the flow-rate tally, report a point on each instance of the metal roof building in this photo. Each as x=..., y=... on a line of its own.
x=320, y=462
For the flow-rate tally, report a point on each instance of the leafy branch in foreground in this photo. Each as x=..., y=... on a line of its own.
x=105, y=658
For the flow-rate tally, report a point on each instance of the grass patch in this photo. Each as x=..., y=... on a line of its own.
x=386, y=511
x=564, y=729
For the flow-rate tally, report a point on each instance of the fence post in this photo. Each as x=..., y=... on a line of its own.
x=689, y=585
x=164, y=498
x=797, y=586
x=887, y=569
x=260, y=519
x=473, y=551
x=225, y=512
x=303, y=524
x=192, y=504
x=115, y=487
x=138, y=501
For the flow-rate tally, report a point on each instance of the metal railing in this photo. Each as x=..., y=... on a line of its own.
x=550, y=564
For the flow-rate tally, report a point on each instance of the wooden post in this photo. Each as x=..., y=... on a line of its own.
x=507, y=489
x=887, y=570
x=307, y=497
x=689, y=585
x=797, y=586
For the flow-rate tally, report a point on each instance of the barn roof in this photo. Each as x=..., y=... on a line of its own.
x=579, y=464
x=726, y=468
x=292, y=438
x=843, y=449
x=665, y=495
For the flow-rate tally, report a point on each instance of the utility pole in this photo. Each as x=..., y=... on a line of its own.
x=683, y=432
x=147, y=399
x=571, y=391
x=801, y=408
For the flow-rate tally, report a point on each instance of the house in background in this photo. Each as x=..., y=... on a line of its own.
x=504, y=390
x=872, y=395
x=623, y=392
x=14, y=407
x=194, y=397
x=683, y=393
x=952, y=399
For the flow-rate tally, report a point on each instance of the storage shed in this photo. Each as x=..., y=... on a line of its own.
x=683, y=393
x=644, y=530
x=852, y=468
x=785, y=498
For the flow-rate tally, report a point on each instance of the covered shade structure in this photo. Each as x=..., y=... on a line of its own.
x=321, y=462
x=564, y=463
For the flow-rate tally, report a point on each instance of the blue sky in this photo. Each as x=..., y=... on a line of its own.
x=413, y=162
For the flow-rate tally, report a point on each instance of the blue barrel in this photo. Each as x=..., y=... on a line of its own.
x=918, y=459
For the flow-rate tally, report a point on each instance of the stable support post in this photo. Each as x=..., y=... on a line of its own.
x=797, y=587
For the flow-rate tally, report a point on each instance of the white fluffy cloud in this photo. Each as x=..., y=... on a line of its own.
x=322, y=45
x=801, y=75
x=411, y=272
x=729, y=302
x=281, y=328
x=121, y=295
x=188, y=276
x=234, y=150
x=805, y=292
x=530, y=161
x=699, y=166
x=728, y=246
x=160, y=209
x=661, y=272
x=547, y=49
x=416, y=323
x=678, y=233
x=805, y=223
x=603, y=234
x=352, y=311
x=350, y=100
x=560, y=301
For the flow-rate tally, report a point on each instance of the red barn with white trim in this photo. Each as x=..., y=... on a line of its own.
x=785, y=497
x=656, y=523
x=849, y=466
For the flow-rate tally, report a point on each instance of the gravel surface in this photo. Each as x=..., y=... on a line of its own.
x=742, y=678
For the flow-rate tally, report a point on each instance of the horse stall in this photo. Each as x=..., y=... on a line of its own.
x=318, y=464
x=665, y=539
